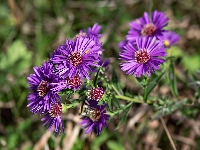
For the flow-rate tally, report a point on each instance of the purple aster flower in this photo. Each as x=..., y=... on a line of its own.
x=142, y=58
x=169, y=38
x=77, y=57
x=147, y=26
x=94, y=117
x=67, y=83
x=53, y=118
x=40, y=84
x=91, y=33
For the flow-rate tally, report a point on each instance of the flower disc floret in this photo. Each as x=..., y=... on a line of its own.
x=55, y=110
x=142, y=56
x=42, y=88
x=74, y=82
x=148, y=29
x=76, y=58
x=96, y=93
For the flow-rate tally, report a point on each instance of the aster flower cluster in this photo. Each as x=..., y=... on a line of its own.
x=69, y=68
x=77, y=66
x=144, y=49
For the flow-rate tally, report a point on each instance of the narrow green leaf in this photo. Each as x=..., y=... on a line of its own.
x=172, y=79
x=125, y=114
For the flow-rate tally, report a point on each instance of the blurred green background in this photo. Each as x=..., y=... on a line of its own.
x=31, y=30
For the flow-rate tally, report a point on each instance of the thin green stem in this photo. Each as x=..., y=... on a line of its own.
x=145, y=93
x=128, y=99
x=145, y=83
x=115, y=89
x=150, y=7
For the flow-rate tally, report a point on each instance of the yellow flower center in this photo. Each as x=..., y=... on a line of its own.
x=166, y=43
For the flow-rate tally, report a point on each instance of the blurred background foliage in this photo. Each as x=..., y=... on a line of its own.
x=31, y=30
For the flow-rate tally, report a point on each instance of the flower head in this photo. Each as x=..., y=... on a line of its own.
x=143, y=57
x=67, y=83
x=96, y=93
x=147, y=26
x=91, y=33
x=40, y=84
x=53, y=118
x=77, y=57
x=169, y=38
x=94, y=117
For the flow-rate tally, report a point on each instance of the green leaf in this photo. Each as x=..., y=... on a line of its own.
x=172, y=79
x=114, y=145
x=151, y=85
x=125, y=114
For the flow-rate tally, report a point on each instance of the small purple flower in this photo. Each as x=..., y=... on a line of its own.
x=53, y=118
x=77, y=57
x=67, y=83
x=40, y=84
x=169, y=38
x=91, y=33
x=94, y=117
x=142, y=58
x=147, y=26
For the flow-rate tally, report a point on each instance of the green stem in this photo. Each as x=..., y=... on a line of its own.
x=145, y=94
x=115, y=89
x=150, y=7
x=128, y=99
x=145, y=82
